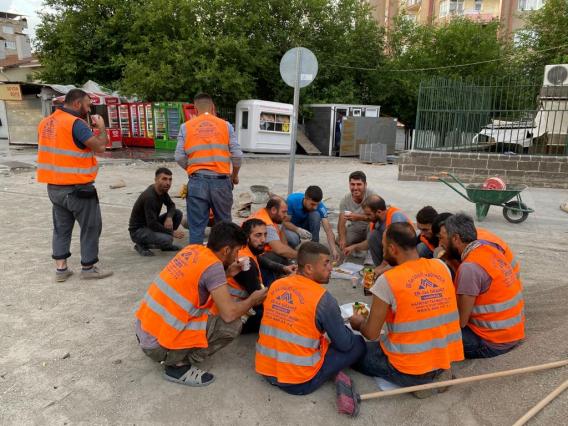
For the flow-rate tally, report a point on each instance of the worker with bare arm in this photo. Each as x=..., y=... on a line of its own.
x=276, y=247
x=66, y=162
x=188, y=313
x=416, y=301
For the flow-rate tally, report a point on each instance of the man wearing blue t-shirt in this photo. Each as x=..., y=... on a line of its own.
x=306, y=214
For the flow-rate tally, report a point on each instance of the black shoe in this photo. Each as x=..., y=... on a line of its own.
x=143, y=251
x=171, y=247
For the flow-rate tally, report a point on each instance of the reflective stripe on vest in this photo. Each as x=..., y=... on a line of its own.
x=300, y=361
x=499, y=325
x=290, y=337
x=178, y=298
x=207, y=146
x=403, y=327
x=498, y=307
x=211, y=159
x=416, y=348
x=170, y=319
x=73, y=170
x=65, y=152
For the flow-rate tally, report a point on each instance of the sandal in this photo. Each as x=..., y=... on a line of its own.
x=192, y=377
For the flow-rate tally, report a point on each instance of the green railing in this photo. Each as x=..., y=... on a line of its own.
x=493, y=116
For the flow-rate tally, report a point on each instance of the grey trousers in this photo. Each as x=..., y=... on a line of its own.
x=68, y=208
x=375, y=240
x=219, y=335
x=148, y=238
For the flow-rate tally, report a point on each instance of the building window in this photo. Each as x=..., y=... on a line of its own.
x=245, y=120
x=6, y=29
x=451, y=7
x=530, y=4
x=477, y=5
x=274, y=122
x=10, y=45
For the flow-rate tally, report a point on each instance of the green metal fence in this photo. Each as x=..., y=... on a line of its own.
x=494, y=116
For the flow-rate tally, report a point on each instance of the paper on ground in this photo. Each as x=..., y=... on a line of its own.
x=346, y=271
x=385, y=385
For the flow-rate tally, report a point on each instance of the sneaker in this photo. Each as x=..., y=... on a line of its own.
x=143, y=251
x=171, y=247
x=188, y=375
x=94, y=273
x=426, y=393
x=61, y=276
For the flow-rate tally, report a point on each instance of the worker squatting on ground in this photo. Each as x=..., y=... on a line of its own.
x=66, y=162
x=276, y=247
x=353, y=225
x=307, y=213
x=415, y=299
x=188, y=313
x=148, y=229
x=208, y=150
x=380, y=217
x=428, y=241
x=489, y=292
x=303, y=341
x=249, y=279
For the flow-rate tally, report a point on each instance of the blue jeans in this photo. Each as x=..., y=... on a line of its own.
x=204, y=193
x=475, y=347
x=311, y=223
x=376, y=364
x=333, y=363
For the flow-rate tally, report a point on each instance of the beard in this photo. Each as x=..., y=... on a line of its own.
x=453, y=252
x=389, y=259
x=256, y=250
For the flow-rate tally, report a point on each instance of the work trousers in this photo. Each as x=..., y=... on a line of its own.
x=375, y=241
x=147, y=238
x=68, y=207
x=475, y=347
x=311, y=223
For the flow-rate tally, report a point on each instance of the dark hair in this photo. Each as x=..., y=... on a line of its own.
x=402, y=234
x=462, y=225
x=225, y=234
x=438, y=222
x=164, y=171
x=274, y=202
x=74, y=95
x=375, y=203
x=426, y=215
x=314, y=193
x=202, y=97
x=250, y=224
x=309, y=252
x=358, y=175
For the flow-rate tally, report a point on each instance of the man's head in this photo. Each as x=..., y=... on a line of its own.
x=399, y=243
x=314, y=262
x=277, y=209
x=225, y=240
x=78, y=100
x=375, y=208
x=163, y=180
x=255, y=231
x=312, y=198
x=424, y=219
x=357, y=185
x=457, y=232
x=437, y=225
x=203, y=103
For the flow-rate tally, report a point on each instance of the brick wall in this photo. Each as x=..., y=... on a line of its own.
x=532, y=170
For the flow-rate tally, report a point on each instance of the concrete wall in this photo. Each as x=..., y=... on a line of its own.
x=23, y=119
x=532, y=170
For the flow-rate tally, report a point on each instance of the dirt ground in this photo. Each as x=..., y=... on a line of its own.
x=68, y=353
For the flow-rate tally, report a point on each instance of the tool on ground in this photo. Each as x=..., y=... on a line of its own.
x=543, y=403
x=346, y=407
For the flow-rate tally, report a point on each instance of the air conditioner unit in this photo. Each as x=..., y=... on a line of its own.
x=555, y=75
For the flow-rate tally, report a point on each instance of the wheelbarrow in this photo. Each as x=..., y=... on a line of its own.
x=515, y=211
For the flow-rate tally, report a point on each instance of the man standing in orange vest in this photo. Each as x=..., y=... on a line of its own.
x=303, y=341
x=490, y=296
x=380, y=217
x=66, y=163
x=416, y=301
x=188, y=313
x=208, y=150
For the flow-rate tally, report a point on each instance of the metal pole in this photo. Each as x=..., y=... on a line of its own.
x=294, y=123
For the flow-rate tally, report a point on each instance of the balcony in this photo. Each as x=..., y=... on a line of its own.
x=477, y=16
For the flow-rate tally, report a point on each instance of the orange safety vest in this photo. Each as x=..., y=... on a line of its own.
x=390, y=211
x=234, y=287
x=485, y=235
x=424, y=333
x=207, y=145
x=498, y=314
x=290, y=347
x=59, y=160
x=263, y=215
x=170, y=310
x=427, y=243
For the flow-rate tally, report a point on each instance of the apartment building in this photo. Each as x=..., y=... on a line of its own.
x=509, y=12
x=17, y=63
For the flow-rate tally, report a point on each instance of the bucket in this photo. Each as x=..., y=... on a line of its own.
x=260, y=194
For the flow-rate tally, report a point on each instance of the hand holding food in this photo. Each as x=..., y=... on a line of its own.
x=360, y=309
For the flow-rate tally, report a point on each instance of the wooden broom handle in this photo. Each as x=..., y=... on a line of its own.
x=533, y=411
x=462, y=380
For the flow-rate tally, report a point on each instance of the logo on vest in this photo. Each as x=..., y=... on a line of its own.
x=286, y=297
x=424, y=284
x=206, y=129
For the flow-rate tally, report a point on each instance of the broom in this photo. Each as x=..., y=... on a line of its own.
x=348, y=400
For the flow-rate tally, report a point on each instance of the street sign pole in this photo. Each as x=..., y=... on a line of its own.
x=294, y=129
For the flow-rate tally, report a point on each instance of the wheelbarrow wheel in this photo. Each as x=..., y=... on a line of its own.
x=515, y=216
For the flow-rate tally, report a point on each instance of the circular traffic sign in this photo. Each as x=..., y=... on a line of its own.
x=302, y=58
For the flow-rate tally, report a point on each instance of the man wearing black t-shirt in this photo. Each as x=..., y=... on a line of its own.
x=148, y=229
